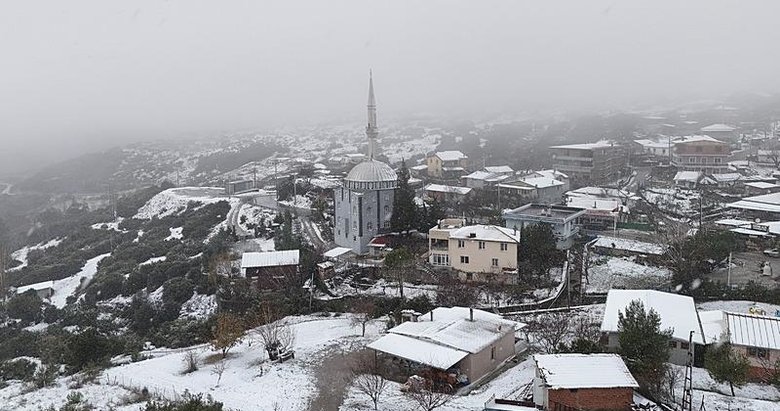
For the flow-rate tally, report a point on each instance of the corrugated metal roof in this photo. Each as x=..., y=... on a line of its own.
x=573, y=371
x=754, y=330
x=270, y=259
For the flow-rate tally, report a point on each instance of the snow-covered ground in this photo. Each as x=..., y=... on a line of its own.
x=176, y=200
x=112, y=225
x=755, y=397
x=17, y=397
x=199, y=306
x=22, y=253
x=299, y=202
x=176, y=234
x=154, y=260
x=66, y=287
x=623, y=272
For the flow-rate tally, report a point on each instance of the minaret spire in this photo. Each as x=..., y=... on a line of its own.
x=371, y=129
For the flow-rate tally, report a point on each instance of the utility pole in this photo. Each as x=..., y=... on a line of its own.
x=728, y=276
x=3, y=265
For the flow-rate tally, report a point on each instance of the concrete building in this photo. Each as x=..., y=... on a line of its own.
x=544, y=189
x=599, y=162
x=447, y=165
x=364, y=202
x=483, y=179
x=562, y=220
x=588, y=382
x=677, y=312
x=477, y=252
x=721, y=132
x=463, y=341
x=701, y=153
x=446, y=194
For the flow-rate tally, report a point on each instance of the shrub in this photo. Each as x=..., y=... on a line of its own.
x=26, y=307
x=178, y=290
x=189, y=403
x=19, y=369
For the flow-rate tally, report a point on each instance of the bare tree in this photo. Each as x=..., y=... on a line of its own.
x=426, y=397
x=551, y=330
x=221, y=266
x=367, y=379
x=218, y=369
x=228, y=333
x=364, y=311
x=190, y=362
x=275, y=333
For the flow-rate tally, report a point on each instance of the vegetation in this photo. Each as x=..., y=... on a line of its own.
x=726, y=365
x=643, y=344
x=538, y=252
x=405, y=214
x=228, y=333
x=190, y=402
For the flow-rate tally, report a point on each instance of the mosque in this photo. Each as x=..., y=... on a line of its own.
x=364, y=201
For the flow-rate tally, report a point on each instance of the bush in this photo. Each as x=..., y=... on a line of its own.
x=19, y=369
x=189, y=403
x=177, y=290
x=26, y=307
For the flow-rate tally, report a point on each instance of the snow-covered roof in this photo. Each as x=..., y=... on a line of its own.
x=754, y=330
x=440, y=188
x=419, y=351
x=586, y=146
x=765, y=202
x=593, y=203
x=486, y=176
x=499, y=169
x=337, y=252
x=718, y=128
x=541, y=182
x=714, y=324
x=630, y=245
x=727, y=177
x=551, y=174
x=733, y=222
x=600, y=192
x=37, y=287
x=451, y=155
x=696, y=139
x=451, y=327
x=750, y=232
x=486, y=233
x=419, y=167
x=690, y=176
x=270, y=259
x=762, y=185
x=572, y=371
x=676, y=311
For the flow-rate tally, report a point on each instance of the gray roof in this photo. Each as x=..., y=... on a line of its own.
x=372, y=171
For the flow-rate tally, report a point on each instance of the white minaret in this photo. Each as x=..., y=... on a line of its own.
x=371, y=129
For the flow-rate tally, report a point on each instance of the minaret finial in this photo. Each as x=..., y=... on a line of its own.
x=371, y=129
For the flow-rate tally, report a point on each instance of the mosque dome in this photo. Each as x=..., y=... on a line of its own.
x=371, y=175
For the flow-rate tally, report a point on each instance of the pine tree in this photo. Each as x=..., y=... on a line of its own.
x=642, y=343
x=726, y=365
x=404, y=216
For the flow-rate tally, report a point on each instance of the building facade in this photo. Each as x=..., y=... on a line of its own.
x=701, y=153
x=599, y=162
x=447, y=165
x=563, y=220
x=364, y=201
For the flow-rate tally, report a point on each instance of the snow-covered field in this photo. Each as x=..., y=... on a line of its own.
x=755, y=397
x=22, y=253
x=623, y=272
x=176, y=200
x=65, y=287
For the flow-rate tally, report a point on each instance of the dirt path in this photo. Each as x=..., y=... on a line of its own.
x=333, y=376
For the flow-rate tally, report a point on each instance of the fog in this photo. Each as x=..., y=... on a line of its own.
x=82, y=75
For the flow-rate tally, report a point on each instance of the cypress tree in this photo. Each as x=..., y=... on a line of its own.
x=404, y=216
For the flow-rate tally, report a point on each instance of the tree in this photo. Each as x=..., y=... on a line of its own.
x=552, y=330
x=538, y=252
x=643, y=344
x=367, y=378
x=26, y=306
x=404, y=216
x=227, y=333
x=426, y=397
x=455, y=293
x=726, y=365
x=276, y=334
x=364, y=311
x=397, y=263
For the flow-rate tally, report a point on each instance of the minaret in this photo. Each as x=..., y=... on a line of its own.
x=371, y=129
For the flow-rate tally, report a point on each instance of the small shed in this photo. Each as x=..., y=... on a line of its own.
x=270, y=268
x=44, y=289
x=583, y=382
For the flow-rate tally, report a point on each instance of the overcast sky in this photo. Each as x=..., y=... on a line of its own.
x=100, y=73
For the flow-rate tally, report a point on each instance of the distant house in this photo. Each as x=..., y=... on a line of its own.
x=600, y=214
x=757, y=337
x=478, y=252
x=447, y=165
x=563, y=220
x=764, y=207
x=466, y=342
x=588, y=382
x=754, y=188
x=44, y=289
x=700, y=153
x=677, y=313
x=483, y=179
x=270, y=269
x=238, y=187
x=598, y=162
x=687, y=179
x=721, y=132
x=546, y=190
x=446, y=194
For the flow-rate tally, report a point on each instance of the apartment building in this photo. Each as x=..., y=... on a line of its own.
x=599, y=162
x=701, y=153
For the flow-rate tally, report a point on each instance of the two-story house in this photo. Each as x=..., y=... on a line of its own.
x=701, y=153
x=447, y=165
x=563, y=220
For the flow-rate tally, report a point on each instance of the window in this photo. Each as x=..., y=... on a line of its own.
x=370, y=225
x=672, y=344
x=494, y=262
x=469, y=276
x=440, y=259
x=691, y=159
x=504, y=246
x=461, y=243
x=481, y=245
x=685, y=345
x=387, y=224
x=387, y=208
x=717, y=160
x=757, y=352
x=464, y=259
x=492, y=353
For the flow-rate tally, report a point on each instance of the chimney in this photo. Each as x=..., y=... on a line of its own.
x=471, y=314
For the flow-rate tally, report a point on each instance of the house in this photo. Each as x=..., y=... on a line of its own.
x=466, y=342
x=418, y=171
x=447, y=165
x=603, y=161
x=446, y=194
x=583, y=382
x=757, y=337
x=722, y=132
x=238, y=187
x=478, y=252
x=677, y=313
x=764, y=207
x=505, y=170
x=754, y=188
x=483, y=179
x=687, y=179
x=44, y=289
x=658, y=149
x=546, y=190
x=600, y=214
x=700, y=153
x=563, y=220
x=270, y=269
